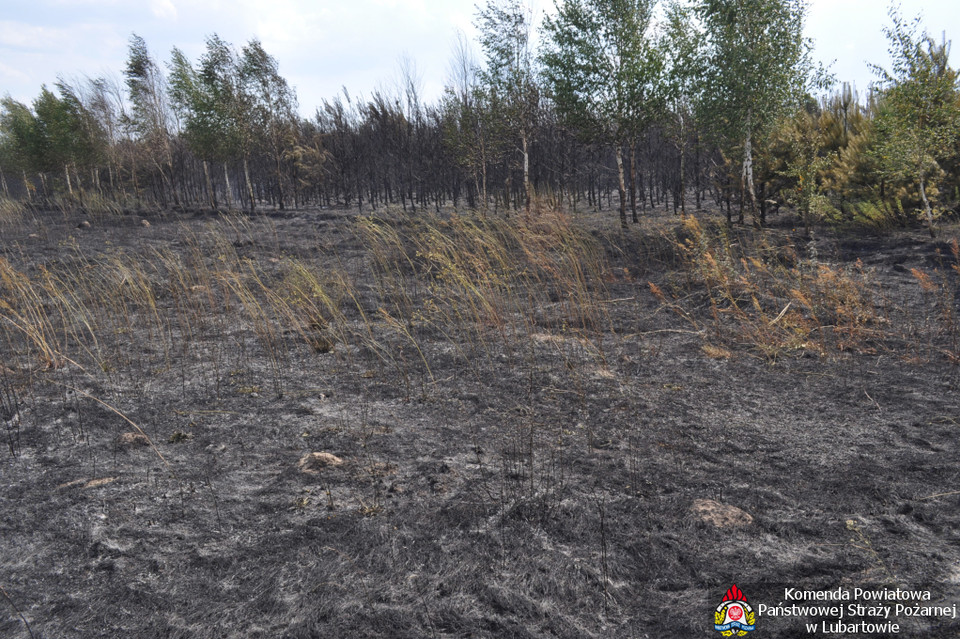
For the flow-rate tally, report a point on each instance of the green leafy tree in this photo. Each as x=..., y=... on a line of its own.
x=53, y=126
x=60, y=135
x=20, y=148
x=220, y=74
x=757, y=71
x=604, y=72
x=684, y=70
x=86, y=140
x=508, y=75
x=467, y=121
x=149, y=118
x=806, y=161
x=203, y=128
x=233, y=105
x=216, y=101
x=918, y=122
x=273, y=109
x=221, y=69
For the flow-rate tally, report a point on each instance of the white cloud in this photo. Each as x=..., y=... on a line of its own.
x=29, y=37
x=163, y=9
x=84, y=3
x=11, y=74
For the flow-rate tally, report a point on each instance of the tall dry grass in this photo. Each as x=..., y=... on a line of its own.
x=206, y=312
x=480, y=279
x=12, y=212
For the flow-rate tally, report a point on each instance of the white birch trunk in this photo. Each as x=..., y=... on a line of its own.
x=747, y=177
x=210, y=192
x=623, y=188
x=246, y=175
x=928, y=211
x=526, y=171
x=229, y=189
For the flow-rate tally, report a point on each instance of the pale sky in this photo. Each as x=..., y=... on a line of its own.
x=323, y=45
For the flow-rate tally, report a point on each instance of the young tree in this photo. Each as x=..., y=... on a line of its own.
x=220, y=106
x=195, y=107
x=86, y=140
x=684, y=61
x=53, y=128
x=464, y=130
x=103, y=100
x=508, y=74
x=19, y=145
x=604, y=72
x=918, y=122
x=220, y=68
x=757, y=69
x=804, y=160
x=150, y=114
x=61, y=134
x=273, y=108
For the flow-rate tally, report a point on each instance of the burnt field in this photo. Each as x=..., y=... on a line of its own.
x=326, y=424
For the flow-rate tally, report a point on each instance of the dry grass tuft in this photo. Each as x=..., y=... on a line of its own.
x=314, y=463
x=12, y=212
x=716, y=352
x=761, y=293
x=132, y=440
x=721, y=515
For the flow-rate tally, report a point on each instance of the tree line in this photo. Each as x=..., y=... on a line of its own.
x=625, y=105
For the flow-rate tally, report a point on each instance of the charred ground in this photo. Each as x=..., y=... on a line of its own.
x=526, y=414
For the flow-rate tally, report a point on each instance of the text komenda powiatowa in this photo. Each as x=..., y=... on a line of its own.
x=857, y=609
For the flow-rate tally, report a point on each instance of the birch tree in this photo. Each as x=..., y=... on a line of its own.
x=604, y=71
x=684, y=69
x=229, y=107
x=203, y=126
x=149, y=119
x=19, y=143
x=918, y=122
x=465, y=123
x=508, y=74
x=273, y=109
x=757, y=69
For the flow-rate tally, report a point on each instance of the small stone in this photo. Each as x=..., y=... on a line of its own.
x=144, y=224
x=313, y=463
x=83, y=225
x=721, y=515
